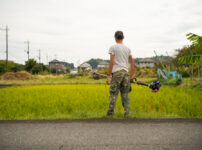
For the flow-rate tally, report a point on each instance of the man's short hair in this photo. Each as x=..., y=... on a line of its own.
x=119, y=35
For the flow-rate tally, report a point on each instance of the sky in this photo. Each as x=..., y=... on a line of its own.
x=77, y=30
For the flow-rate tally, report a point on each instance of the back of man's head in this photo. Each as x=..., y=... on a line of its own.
x=119, y=35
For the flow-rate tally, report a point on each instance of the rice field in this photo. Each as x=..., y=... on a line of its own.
x=79, y=101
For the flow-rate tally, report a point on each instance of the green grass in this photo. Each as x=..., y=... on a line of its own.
x=60, y=79
x=91, y=101
x=53, y=81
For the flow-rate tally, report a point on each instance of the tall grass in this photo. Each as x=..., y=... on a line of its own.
x=91, y=101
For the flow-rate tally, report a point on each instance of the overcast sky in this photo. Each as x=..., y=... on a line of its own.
x=74, y=30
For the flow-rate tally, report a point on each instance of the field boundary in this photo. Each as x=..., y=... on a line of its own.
x=5, y=85
x=107, y=120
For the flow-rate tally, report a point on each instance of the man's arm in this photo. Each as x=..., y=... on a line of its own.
x=111, y=64
x=132, y=70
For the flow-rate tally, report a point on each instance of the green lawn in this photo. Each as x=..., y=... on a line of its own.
x=57, y=101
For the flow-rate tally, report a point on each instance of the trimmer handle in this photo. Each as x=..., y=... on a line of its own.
x=134, y=80
x=155, y=85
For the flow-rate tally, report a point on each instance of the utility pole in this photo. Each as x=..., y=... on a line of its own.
x=6, y=48
x=39, y=56
x=27, y=42
x=6, y=29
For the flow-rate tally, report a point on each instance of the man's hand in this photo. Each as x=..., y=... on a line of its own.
x=108, y=80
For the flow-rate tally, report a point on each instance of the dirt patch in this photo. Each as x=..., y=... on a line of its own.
x=22, y=75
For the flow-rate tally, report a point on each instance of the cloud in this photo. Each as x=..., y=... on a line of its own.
x=77, y=29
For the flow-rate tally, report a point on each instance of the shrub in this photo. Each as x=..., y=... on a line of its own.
x=146, y=70
x=68, y=69
x=178, y=81
x=44, y=72
x=53, y=70
x=72, y=75
x=185, y=74
x=83, y=74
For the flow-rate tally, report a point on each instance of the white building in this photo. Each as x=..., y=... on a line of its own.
x=146, y=63
x=102, y=65
x=85, y=67
x=57, y=66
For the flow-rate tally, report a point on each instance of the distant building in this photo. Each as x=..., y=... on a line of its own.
x=102, y=65
x=146, y=63
x=85, y=67
x=57, y=66
x=74, y=71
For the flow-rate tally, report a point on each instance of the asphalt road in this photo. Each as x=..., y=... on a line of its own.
x=102, y=134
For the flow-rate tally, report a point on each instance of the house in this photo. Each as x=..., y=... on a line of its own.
x=102, y=65
x=85, y=67
x=57, y=66
x=146, y=63
x=74, y=71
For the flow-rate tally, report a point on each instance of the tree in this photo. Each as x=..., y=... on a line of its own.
x=12, y=66
x=195, y=59
x=30, y=64
x=68, y=65
x=196, y=50
x=17, y=67
x=94, y=62
x=34, y=67
x=2, y=66
x=44, y=67
x=196, y=39
x=38, y=67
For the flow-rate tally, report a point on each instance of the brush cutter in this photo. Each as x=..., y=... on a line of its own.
x=155, y=85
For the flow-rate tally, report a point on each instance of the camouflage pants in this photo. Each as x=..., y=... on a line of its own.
x=120, y=82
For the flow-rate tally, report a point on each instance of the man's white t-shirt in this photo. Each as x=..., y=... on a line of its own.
x=121, y=58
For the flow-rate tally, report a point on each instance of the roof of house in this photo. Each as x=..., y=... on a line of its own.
x=85, y=64
x=54, y=61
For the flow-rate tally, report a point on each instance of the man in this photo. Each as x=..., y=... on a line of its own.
x=120, y=56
